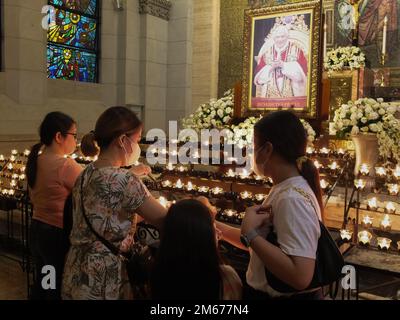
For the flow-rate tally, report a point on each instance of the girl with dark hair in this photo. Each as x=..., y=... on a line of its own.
x=51, y=177
x=296, y=201
x=188, y=266
x=109, y=197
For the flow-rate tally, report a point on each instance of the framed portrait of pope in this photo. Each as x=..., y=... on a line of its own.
x=282, y=59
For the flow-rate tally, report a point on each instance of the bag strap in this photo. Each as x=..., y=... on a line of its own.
x=114, y=250
x=307, y=197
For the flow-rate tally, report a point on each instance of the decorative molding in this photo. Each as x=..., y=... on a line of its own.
x=157, y=8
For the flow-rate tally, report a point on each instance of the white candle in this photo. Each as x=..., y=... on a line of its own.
x=396, y=172
x=260, y=196
x=310, y=150
x=246, y=195
x=333, y=166
x=204, y=189
x=182, y=169
x=1, y=157
x=360, y=184
x=325, y=151
x=385, y=21
x=230, y=212
x=386, y=223
x=390, y=208
x=367, y=221
x=317, y=164
x=364, y=237
x=324, y=184
x=384, y=243
x=179, y=184
x=372, y=204
x=217, y=190
x=380, y=171
x=393, y=189
x=26, y=152
x=170, y=167
x=166, y=183
x=340, y=151
x=230, y=174
x=14, y=152
x=364, y=169
x=346, y=235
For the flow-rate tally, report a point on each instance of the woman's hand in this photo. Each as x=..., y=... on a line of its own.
x=141, y=170
x=256, y=217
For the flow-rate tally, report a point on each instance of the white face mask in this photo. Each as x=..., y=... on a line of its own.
x=132, y=157
x=256, y=166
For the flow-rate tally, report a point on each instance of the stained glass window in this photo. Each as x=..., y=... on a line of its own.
x=72, y=46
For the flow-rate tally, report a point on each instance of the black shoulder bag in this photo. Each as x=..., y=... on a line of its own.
x=328, y=264
x=138, y=261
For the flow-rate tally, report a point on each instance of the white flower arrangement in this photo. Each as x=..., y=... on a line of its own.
x=370, y=116
x=214, y=114
x=218, y=114
x=344, y=57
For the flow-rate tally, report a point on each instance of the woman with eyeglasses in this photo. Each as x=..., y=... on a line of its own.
x=51, y=177
x=106, y=199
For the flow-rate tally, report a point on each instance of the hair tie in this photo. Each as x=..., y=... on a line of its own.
x=300, y=162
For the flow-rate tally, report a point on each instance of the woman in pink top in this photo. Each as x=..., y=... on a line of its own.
x=51, y=177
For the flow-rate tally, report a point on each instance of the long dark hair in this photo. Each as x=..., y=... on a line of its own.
x=286, y=133
x=187, y=265
x=53, y=123
x=114, y=122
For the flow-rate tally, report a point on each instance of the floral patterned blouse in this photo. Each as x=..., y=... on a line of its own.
x=111, y=196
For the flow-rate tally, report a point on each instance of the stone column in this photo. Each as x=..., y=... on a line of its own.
x=180, y=31
x=25, y=51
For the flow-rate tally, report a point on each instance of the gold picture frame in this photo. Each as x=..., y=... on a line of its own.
x=282, y=66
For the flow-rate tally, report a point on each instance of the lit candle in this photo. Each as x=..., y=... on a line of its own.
x=217, y=190
x=13, y=183
x=1, y=157
x=14, y=152
x=310, y=150
x=12, y=158
x=10, y=166
x=324, y=184
x=333, y=166
x=385, y=21
x=383, y=243
x=258, y=178
x=367, y=222
x=179, y=184
x=22, y=177
x=393, y=189
x=390, y=208
x=182, y=169
x=325, y=39
x=386, y=223
x=241, y=215
x=364, y=169
x=396, y=172
x=26, y=152
x=11, y=192
x=364, y=237
x=325, y=151
x=14, y=176
x=346, y=235
x=4, y=191
x=170, y=167
x=372, y=204
x=230, y=212
x=166, y=184
x=260, y=196
x=359, y=184
x=231, y=174
x=317, y=164
x=380, y=171
x=341, y=151
x=203, y=189
x=246, y=195
x=190, y=186
x=22, y=169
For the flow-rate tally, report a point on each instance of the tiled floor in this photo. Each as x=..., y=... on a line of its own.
x=12, y=280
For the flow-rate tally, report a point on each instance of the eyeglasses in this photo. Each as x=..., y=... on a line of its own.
x=73, y=134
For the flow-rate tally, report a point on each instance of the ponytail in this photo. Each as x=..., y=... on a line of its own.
x=31, y=165
x=311, y=174
x=89, y=147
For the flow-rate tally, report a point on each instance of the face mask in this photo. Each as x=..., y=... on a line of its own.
x=132, y=157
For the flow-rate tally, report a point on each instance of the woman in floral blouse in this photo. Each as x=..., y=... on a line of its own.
x=112, y=197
